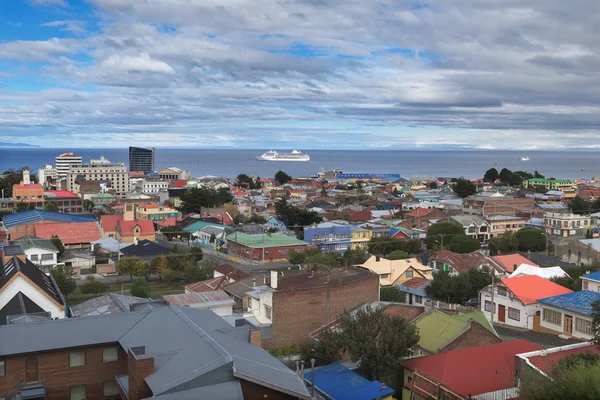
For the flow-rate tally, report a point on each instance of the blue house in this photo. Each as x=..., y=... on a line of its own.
x=276, y=224
x=336, y=382
x=329, y=236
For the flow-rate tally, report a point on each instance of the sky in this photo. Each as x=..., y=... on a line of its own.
x=309, y=74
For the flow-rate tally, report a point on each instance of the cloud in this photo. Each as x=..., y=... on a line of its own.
x=60, y=3
x=141, y=63
x=76, y=27
x=39, y=50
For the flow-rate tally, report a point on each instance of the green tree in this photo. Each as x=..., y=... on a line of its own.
x=491, y=175
x=464, y=244
x=392, y=294
x=208, y=265
x=195, y=199
x=193, y=273
x=398, y=255
x=531, y=239
x=213, y=238
x=354, y=257
x=247, y=182
x=51, y=206
x=140, y=288
x=160, y=266
x=384, y=245
x=503, y=244
x=457, y=289
x=411, y=246
x=296, y=257
x=94, y=287
x=579, y=206
x=88, y=205
x=443, y=232
x=464, y=188
x=432, y=185
x=141, y=268
x=58, y=244
x=126, y=266
x=505, y=176
x=22, y=206
x=63, y=276
x=282, y=178
x=294, y=217
x=196, y=253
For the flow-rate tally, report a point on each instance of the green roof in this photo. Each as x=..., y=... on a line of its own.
x=275, y=240
x=102, y=196
x=541, y=180
x=437, y=329
x=196, y=226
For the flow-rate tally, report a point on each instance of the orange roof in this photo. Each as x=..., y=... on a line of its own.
x=511, y=261
x=529, y=289
x=146, y=227
x=149, y=205
x=61, y=194
x=168, y=222
x=418, y=212
x=27, y=186
x=69, y=232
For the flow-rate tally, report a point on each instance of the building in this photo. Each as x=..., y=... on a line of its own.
x=510, y=262
x=504, y=223
x=26, y=290
x=415, y=290
x=439, y=332
x=515, y=301
x=567, y=224
x=336, y=382
x=152, y=186
x=47, y=176
x=23, y=223
x=231, y=273
x=144, y=249
x=591, y=281
x=212, y=237
x=484, y=372
x=546, y=273
x=568, y=314
x=141, y=159
x=126, y=228
x=475, y=226
x=73, y=235
x=66, y=201
x=110, y=303
x=275, y=224
x=155, y=212
x=163, y=353
x=487, y=206
x=329, y=236
x=455, y=263
x=216, y=300
x=397, y=271
x=116, y=174
x=265, y=247
x=103, y=199
x=549, y=184
x=64, y=162
x=41, y=252
x=359, y=237
x=174, y=174
x=208, y=285
x=27, y=192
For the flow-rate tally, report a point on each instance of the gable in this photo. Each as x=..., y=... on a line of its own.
x=18, y=305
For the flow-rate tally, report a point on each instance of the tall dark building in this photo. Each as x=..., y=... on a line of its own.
x=141, y=159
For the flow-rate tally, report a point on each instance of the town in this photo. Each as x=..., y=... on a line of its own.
x=125, y=282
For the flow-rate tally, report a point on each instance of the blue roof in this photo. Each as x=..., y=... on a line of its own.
x=593, y=276
x=338, y=382
x=30, y=216
x=576, y=302
x=409, y=290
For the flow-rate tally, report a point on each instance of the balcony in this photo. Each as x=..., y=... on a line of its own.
x=22, y=391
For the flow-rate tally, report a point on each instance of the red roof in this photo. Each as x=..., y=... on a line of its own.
x=231, y=272
x=61, y=194
x=136, y=173
x=225, y=217
x=109, y=224
x=531, y=288
x=179, y=183
x=550, y=361
x=464, y=262
x=475, y=370
x=419, y=212
x=69, y=232
x=512, y=261
x=353, y=216
x=208, y=285
x=168, y=222
x=415, y=283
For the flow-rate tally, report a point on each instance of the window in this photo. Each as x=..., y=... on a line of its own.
x=488, y=306
x=513, y=313
x=47, y=257
x=551, y=316
x=110, y=354
x=77, y=358
x=110, y=389
x=385, y=276
x=584, y=326
x=418, y=299
x=409, y=273
x=34, y=257
x=585, y=284
x=77, y=392
x=267, y=311
x=282, y=251
x=501, y=291
x=2, y=368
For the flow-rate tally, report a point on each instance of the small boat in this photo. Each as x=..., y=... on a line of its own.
x=295, y=155
x=582, y=168
x=524, y=158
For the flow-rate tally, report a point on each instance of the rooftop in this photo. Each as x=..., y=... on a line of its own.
x=46, y=283
x=207, y=285
x=595, y=276
x=111, y=303
x=206, y=299
x=264, y=240
x=30, y=216
x=312, y=280
x=547, y=360
x=511, y=261
x=70, y=232
x=30, y=242
x=529, y=289
x=393, y=269
x=60, y=194
x=577, y=302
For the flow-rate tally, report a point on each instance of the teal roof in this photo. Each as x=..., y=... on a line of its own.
x=265, y=240
x=196, y=226
x=541, y=180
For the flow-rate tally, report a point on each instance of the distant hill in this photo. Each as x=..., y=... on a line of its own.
x=4, y=144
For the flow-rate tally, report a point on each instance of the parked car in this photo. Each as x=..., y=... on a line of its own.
x=472, y=302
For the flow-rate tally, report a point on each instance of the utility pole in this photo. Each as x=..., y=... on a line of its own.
x=493, y=305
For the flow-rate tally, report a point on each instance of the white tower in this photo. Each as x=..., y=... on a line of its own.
x=26, y=176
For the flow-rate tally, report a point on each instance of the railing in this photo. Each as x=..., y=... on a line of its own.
x=13, y=390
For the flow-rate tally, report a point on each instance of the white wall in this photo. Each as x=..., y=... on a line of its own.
x=560, y=328
x=594, y=286
x=39, y=251
x=526, y=311
x=266, y=298
x=20, y=284
x=222, y=311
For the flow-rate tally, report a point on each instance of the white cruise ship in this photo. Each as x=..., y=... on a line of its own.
x=295, y=155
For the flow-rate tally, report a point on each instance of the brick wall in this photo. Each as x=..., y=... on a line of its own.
x=297, y=313
x=252, y=391
x=59, y=377
x=138, y=369
x=476, y=336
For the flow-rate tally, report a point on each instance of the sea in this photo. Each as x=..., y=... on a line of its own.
x=229, y=163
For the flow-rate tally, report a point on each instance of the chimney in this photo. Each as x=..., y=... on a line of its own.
x=253, y=282
x=514, y=266
x=274, y=279
x=377, y=258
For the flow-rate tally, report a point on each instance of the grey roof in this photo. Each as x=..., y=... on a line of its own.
x=222, y=391
x=466, y=220
x=187, y=344
x=595, y=243
x=110, y=244
x=29, y=242
x=110, y=303
x=241, y=288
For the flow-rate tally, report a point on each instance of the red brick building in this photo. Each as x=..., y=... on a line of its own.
x=263, y=247
x=489, y=206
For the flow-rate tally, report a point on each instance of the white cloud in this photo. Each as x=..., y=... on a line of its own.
x=71, y=26
x=61, y=3
x=23, y=50
x=141, y=63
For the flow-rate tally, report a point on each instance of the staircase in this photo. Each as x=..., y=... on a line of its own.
x=14, y=392
x=21, y=391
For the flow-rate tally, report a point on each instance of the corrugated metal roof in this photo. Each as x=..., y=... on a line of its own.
x=209, y=299
x=576, y=302
x=29, y=216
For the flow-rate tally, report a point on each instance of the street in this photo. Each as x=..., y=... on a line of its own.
x=545, y=340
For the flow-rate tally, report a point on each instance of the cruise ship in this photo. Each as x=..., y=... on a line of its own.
x=295, y=155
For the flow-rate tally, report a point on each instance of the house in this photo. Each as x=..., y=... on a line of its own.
x=41, y=252
x=81, y=260
x=155, y=212
x=401, y=233
x=549, y=184
x=208, y=285
x=110, y=303
x=264, y=247
x=546, y=273
x=359, y=237
x=27, y=192
x=126, y=229
x=350, y=216
x=154, y=353
x=65, y=201
x=210, y=237
x=336, y=382
x=329, y=236
x=230, y=272
x=540, y=258
x=414, y=290
x=145, y=250
x=455, y=263
x=216, y=300
x=566, y=224
x=569, y=314
x=397, y=271
x=23, y=223
x=510, y=262
x=591, y=281
x=475, y=226
x=173, y=173
x=439, y=332
x=515, y=301
x=377, y=230
x=25, y=289
x=73, y=235
x=579, y=252
x=504, y=223
x=275, y=224
x=484, y=372
x=589, y=195
x=487, y=206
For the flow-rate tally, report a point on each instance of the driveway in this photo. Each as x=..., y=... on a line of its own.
x=545, y=340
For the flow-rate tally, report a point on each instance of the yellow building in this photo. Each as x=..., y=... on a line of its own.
x=397, y=271
x=155, y=212
x=549, y=184
x=359, y=237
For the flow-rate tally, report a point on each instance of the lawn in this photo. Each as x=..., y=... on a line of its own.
x=157, y=289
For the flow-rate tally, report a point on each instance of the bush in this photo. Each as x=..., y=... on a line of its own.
x=140, y=288
x=464, y=244
x=392, y=294
x=175, y=276
x=398, y=255
x=94, y=287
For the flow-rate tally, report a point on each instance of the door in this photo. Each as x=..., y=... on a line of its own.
x=568, y=328
x=501, y=313
x=410, y=299
x=31, y=370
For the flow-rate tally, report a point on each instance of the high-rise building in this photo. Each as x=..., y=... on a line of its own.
x=141, y=159
x=64, y=162
x=117, y=174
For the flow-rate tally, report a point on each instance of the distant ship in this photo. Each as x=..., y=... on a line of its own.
x=295, y=155
x=524, y=158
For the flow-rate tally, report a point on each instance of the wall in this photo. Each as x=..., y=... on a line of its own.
x=59, y=377
x=526, y=311
x=475, y=336
x=252, y=391
x=559, y=329
x=20, y=284
x=594, y=286
x=297, y=313
x=39, y=251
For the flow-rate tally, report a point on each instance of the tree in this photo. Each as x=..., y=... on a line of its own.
x=193, y=273
x=384, y=245
x=354, y=257
x=195, y=199
x=443, y=232
x=141, y=268
x=392, y=294
x=506, y=243
x=459, y=288
x=579, y=206
x=282, y=178
x=296, y=257
x=126, y=266
x=63, y=276
x=531, y=239
x=12, y=177
x=22, y=206
x=491, y=175
x=208, y=265
x=294, y=217
x=94, y=287
x=213, y=238
x=464, y=188
x=88, y=205
x=411, y=246
x=464, y=244
x=140, y=288
x=196, y=253
x=398, y=255
x=51, y=206
x=247, y=182
x=505, y=176
x=58, y=244
x=160, y=266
